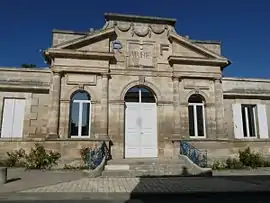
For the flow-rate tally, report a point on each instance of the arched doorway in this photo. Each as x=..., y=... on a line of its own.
x=140, y=123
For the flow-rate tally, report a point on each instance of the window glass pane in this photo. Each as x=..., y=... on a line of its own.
x=132, y=95
x=251, y=122
x=191, y=120
x=81, y=96
x=147, y=96
x=244, y=121
x=85, y=119
x=200, y=123
x=74, y=119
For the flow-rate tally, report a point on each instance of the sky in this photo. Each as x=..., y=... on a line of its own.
x=243, y=27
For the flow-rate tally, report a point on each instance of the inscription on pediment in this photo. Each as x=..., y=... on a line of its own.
x=140, y=54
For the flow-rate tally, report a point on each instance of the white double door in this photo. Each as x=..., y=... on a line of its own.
x=140, y=130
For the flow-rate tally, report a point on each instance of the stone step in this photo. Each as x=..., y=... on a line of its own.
x=180, y=166
x=152, y=161
x=138, y=173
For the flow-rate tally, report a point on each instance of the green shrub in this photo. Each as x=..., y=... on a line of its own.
x=218, y=165
x=246, y=159
x=250, y=159
x=233, y=163
x=84, y=154
x=39, y=158
x=15, y=158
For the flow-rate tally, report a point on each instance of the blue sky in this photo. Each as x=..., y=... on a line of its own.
x=242, y=26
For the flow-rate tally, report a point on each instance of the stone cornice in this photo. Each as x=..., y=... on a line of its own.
x=189, y=44
x=24, y=88
x=18, y=69
x=197, y=61
x=79, y=54
x=137, y=18
x=91, y=36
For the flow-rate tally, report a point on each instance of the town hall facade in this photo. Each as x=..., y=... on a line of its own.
x=137, y=85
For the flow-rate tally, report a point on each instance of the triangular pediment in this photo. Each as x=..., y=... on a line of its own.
x=94, y=41
x=185, y=48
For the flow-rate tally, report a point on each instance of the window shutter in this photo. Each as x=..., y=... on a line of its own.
x=237, y=121
x=262, y=121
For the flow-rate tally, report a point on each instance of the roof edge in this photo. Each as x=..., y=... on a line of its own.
x=206, y=41
x=69, y=32
x=139, y=18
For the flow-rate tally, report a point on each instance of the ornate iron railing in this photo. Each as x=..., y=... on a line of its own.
x=197, y=156
x=96, y=155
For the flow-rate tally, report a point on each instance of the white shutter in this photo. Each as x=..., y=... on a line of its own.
x=237, y=121
x=7, y=119
x=262, y=121
x=18, y=119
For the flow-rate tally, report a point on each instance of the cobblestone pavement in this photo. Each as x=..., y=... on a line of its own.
x=69, y=185
x=156, y=185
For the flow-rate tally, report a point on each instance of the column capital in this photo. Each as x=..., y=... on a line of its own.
x=105, y=75
x=175, y=78
x=57, y=74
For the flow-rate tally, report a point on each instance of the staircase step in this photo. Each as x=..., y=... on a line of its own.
x=145, y=161
x=117, y=167
x=150, y=167
x=116, y=173
x=139, y=173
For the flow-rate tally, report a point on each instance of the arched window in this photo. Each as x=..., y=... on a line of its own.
x=196, y=116
x=140, y=94
x=80, y=114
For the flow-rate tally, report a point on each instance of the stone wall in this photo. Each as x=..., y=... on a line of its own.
x=32, y=85
x=244, y=91
x=60, y=36
x=69, y=149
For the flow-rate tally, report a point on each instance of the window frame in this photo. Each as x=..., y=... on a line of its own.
x=80, y=102
x=255, y=116
x=195, y=120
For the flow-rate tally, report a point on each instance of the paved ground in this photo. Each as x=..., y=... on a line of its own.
x=19, y=179
x=68, y=185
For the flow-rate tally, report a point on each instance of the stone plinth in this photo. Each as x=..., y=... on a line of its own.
x=3, y=175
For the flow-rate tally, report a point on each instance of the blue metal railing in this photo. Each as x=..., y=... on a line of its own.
x=197, y=156
x=95, y=156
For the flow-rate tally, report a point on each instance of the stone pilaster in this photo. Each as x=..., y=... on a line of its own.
x=104, y=107
x=219, y=109
x=53, y=121
x=176, y=106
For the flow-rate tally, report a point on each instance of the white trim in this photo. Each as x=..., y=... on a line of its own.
x=204, y=121
x=262, y=121
x=140, y=95
x=247, y=121
x=237, y=121
x=194, y=105
x=81, y=102
x=255, y=117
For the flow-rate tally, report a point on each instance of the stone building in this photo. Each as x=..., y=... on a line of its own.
x=137, y=85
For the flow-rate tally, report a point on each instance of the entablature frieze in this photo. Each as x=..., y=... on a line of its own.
x=80, y=69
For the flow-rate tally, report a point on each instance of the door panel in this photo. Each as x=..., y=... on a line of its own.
x=132, y=130
x=149, y=130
